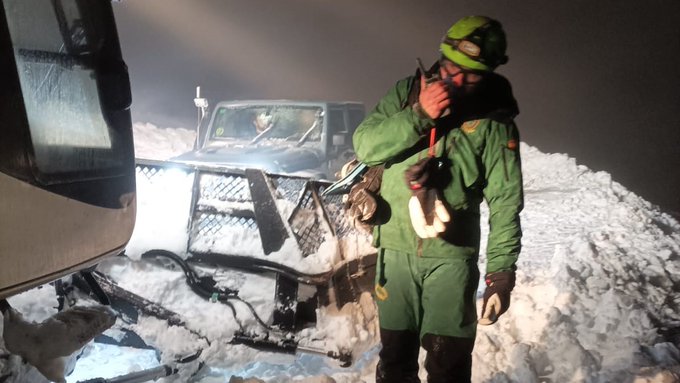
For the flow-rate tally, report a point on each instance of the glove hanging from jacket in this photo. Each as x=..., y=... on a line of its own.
x=428, y=214
x=361, y=204
x=496, y=296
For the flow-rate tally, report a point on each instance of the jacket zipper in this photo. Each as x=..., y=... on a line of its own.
x=419, y=250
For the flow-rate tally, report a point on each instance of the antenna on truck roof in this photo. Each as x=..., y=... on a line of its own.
x=202, y=105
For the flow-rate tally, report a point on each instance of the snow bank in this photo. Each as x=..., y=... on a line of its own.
x=598, y=280
x=153, y=142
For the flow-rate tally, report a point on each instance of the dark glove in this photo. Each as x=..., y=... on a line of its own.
x=428, y=213
x=361, y=204
x=496, y=296
x=360, y=208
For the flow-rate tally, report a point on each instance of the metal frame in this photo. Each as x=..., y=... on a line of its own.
x=310, y=222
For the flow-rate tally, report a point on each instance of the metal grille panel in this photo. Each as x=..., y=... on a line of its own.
x=310, y=239
x=288, y=187
x=224, y=187
x=308, y=227
x=154, y=172
x=207, y=223
x=207, y=227
x=148, y=172
x=210, y=221
x=335, y=208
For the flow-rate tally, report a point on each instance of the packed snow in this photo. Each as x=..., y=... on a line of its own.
x=597, y=296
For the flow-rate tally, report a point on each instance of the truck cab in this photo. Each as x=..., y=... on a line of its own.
x=308, y=138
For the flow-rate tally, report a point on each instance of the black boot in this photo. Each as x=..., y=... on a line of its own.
x=398, y=357
x=449, y=359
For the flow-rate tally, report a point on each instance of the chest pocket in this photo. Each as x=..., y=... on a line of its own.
x=466, y=163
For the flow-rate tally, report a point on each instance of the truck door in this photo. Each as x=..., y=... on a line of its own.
x=355, y=115
x=66, y=151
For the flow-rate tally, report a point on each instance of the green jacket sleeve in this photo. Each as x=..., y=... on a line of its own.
x=389, y=129
x=504, y=195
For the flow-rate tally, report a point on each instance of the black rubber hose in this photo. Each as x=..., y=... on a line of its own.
x=203, y=286
x=261, y=265
x=199, y=285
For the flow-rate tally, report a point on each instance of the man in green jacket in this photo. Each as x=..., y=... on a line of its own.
x=446, y=143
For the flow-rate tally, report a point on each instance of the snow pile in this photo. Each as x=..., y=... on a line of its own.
x=153, y=142
x=597, y=297
x=598, y=283
x=161, y=222
x=68, y=331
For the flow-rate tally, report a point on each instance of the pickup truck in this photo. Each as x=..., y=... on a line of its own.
x=306, y=138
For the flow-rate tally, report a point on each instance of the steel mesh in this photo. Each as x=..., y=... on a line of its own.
x=216, y=225
x=150, y=172
x=307, y=225
x=306, y=222
x=147, y=171
x=335, y=209
x=310, y=239
x=287, y=187
x=224, y=187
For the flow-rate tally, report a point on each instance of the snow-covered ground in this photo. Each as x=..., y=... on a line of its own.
x=597, y=298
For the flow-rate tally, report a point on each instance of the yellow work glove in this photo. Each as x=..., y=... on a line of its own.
x=428, y=213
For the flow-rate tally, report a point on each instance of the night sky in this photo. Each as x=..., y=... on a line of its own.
x=598, y=80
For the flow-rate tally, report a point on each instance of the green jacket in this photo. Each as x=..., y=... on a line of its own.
x=480, y=152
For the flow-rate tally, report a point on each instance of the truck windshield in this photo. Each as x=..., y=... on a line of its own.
x=287, y=122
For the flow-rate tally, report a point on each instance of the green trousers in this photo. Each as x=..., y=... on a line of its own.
x=427, y=295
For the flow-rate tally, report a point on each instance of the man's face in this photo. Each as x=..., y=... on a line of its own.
x=262, y=122
x=464, y=80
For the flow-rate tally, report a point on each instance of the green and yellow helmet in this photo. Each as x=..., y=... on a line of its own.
x=475, y=42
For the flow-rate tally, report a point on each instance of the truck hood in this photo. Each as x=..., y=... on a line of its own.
x=276, y=159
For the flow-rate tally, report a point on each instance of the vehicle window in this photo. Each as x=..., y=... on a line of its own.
x=356, y=116
x=289, y=123
x=336, y=121
x=54, y=47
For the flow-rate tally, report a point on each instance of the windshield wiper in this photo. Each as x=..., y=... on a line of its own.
x=308, y=132
x=262, y=133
